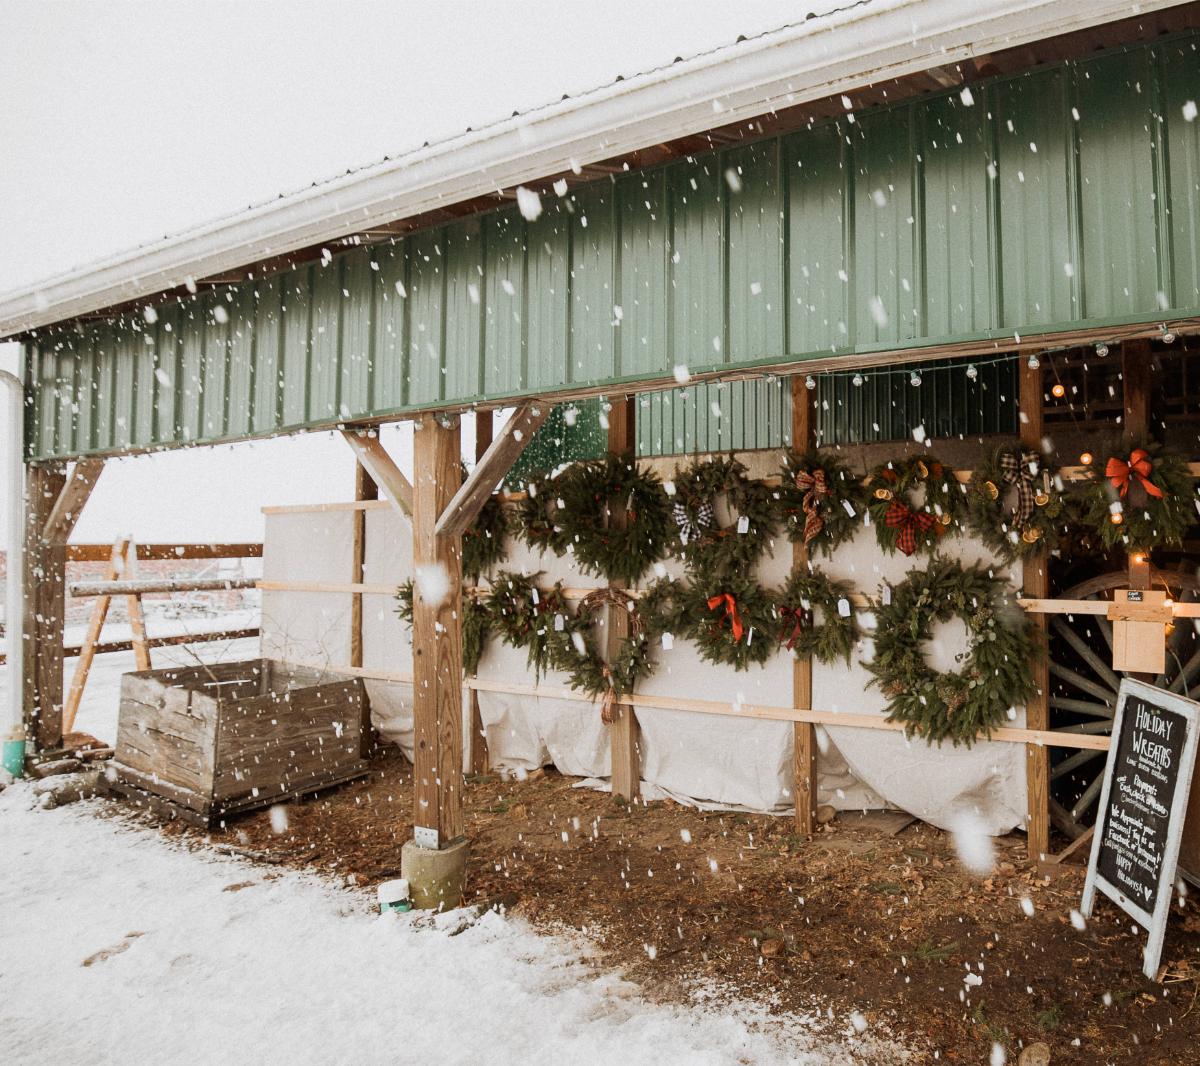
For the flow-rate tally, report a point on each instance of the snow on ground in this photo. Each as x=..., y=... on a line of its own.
x=119, y=946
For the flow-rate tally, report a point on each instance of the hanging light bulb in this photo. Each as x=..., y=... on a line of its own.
x=972, y=372
x=1033, y=362
x=1086, y=459
x=1102, y=349
x=1059, y=391
x=1167, y=336
x=857, y=380
x=915, y=379
x=810, y=382
x=1116, y=518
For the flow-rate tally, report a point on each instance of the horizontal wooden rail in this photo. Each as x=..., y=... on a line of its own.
x=71, y=651
x=348, y=587
x=1100, y=607
x=102, y=553
x=1006, y=734
x=149, y=586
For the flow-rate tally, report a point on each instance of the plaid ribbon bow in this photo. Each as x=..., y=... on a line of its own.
x=815, y=489
x=692, y=529
x=1119, y=472
x=906, y=522
x=726, y=600
x=1021, y=473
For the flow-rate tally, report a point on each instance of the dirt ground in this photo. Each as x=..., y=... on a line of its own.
x=858, y=918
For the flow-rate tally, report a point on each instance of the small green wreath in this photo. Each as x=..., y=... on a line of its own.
x=483, y=542
x=901, y=524
x=538, y=512
x=1015, y=503
x=530, y=618
x=995, y=674
x=733, y=622
x=822, y=501
x=1140, y=497
x=707, y=547
x=806, y=593
x=615, y=518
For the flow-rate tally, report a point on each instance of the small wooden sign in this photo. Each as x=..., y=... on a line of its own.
x=1139, y=639
x=1147, y=782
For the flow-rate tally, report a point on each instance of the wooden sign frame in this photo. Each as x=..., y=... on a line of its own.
x=1154, y=921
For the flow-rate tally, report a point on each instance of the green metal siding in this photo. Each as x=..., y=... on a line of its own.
x=1058, y=199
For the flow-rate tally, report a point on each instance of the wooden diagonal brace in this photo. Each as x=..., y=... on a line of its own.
x=383, y=470
x=497, y=461
x=67, y=508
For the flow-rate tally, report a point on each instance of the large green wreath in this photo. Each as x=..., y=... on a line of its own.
x=732, y=621
x=1140, y=497
x=822, y=501
x=995, y=674
x=483, y=542
x=528, y=617
x=537, y=514
x=596, y=493
x=901, y=524
x=806, y=593
x=1015, y=503
x=708, y=548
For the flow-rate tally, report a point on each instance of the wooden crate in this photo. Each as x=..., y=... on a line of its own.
x=201, y=742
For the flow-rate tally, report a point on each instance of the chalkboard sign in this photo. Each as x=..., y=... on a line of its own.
x=1142, y=807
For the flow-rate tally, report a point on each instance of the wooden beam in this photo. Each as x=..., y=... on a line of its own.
x=67, y=508
x=87, y=650
x=364, y=489
x=1137, y=377
x=489, y=471
x=1035, y=582
x=45, y=600
x=149, y=586
x=137, y=620
x=100, y=553
x=383, y=469
x=623, y=733
x=478, y=755
x=437, y=637
x=804, y=747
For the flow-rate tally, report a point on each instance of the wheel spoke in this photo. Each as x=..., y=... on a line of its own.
x=1190, y=668
x=1074, y=762
x=1102, y=669
x=1088, y=798
x=1079, y=681
x=1094, y=710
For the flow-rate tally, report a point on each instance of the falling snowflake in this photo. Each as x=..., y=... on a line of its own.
x=529, y=203
x=973, y=844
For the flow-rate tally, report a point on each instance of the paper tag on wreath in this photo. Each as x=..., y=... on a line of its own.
x=743, y=525
x=849, y=508
x=533, y=595
x=560, y=623
x=886, y=596
x=668, y=641
x=844, y=607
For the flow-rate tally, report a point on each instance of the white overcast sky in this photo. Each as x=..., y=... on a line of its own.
x=121, y=122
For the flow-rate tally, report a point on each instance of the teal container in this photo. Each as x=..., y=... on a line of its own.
x=14, y=757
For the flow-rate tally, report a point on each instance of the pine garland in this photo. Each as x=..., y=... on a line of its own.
x=1140, y=497
x=995, y=675
x=834, y=638
x=708, y=548
x=596, y=491
x=902, y=524
x=483, y=544
x=823, y=503
x=732, y=621
x=1015, y=503
x=537, y=515
x=530, y=618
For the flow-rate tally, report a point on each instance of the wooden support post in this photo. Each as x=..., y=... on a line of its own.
x=364, y=489
x=623, y=733
x=45, y=593
x=804, y=752
x=479, y=761
x=87, y=650
x=137, y=620
x=1137, y=377
x=437, y=637
x=1035, y=582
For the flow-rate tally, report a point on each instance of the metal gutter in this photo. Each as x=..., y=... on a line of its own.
x=856, y=46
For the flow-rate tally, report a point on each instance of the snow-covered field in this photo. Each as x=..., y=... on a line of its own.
x=119, y=946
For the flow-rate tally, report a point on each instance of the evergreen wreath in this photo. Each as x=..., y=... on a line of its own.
x=732, y=621
x=1015, y=504
x=476, y=621
x=822, y=502
x=708, y=548
x=1140, y=497
x=662, y=610
x=525, y=616
x=483, y=542
x=538, y=513
x=900, y=524
x=588, y=670
x=995, y=673
x=806, y=593
x=593, y=493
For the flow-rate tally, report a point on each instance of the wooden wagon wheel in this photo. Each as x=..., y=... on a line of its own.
x=1083, y=686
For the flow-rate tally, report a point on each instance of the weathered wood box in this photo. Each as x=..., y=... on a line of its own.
x=200, y=742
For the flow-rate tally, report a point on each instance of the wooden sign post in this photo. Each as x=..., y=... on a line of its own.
x=1147, y=781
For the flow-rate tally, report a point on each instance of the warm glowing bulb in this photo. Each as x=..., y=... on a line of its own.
x=1116, y=518
x=1059, y=391
x=1086, y=458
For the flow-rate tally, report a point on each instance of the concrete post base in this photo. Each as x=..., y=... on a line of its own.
x=435, y=878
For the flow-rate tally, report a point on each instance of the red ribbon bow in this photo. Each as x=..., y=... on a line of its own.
x=815, y=490
x=1119, y=472
x=798, y=617
x=731, y=612
x=906, y=522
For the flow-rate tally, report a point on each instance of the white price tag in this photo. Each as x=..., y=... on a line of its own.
x=668, y=641
x=560, y=623
x=534, y=596
x=743, y=524
x=886, y=596
x=849, y=508
x=844, y=607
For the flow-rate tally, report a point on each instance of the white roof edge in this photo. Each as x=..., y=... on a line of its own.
x=808, y=61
